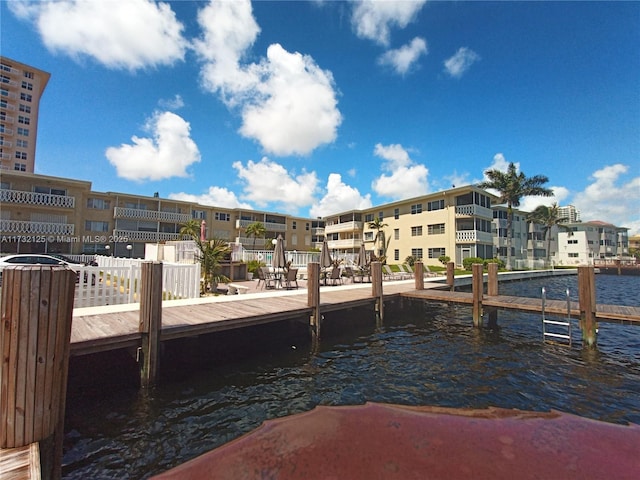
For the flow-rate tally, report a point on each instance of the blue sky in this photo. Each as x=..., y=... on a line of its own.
x=313, y=108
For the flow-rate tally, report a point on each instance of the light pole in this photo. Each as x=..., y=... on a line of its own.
x=108, y=249
x=130, y=248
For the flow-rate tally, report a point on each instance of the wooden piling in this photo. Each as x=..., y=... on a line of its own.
x=37, y=308
x=451, y=274
x=478, y=291
x=587, y=300
x=150, y=322
x=418, y=275
x=376, y=287
x=492, y=291
x=313, y=297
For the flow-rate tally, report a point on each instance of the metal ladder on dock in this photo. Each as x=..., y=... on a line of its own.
x=546, y=324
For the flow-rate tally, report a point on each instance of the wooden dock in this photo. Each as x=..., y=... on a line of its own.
x=21, y=463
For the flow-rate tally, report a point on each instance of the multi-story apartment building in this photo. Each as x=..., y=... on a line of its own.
x=528, y=242
x=21, y=87
x=570, y=213
x=455, y=223
x=584, y=243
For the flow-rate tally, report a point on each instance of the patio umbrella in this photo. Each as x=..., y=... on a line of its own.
x=203, y=231
x=325, y=256
x=394, y=441
x=278, y=260
x=362, y=257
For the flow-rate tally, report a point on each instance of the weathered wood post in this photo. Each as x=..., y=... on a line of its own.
x=478, y=291
x=37, y=308
x=418, y=275
x=313, y=297
x=492, y=291
x=150, y=321
x=451, y=274
x=587, y=299
x=376, y=288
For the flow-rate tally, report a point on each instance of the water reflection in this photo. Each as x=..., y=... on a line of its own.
x=428, y=354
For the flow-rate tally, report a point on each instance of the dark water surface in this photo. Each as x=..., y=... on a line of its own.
x=424, y=354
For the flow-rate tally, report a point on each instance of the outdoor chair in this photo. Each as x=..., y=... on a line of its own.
x=291, y=278
x=269, y=278
x=388, y=274
x=336, y=276
x=405, y=271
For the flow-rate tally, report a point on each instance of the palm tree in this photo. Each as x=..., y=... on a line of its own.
x=548, y=217
x=255, y=230
x=511, y=187
x=210, y=254
x=379, y=226
x=191, y=228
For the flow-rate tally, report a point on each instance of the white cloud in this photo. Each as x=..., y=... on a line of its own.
x=339, y=197
x=500, y=163
x=288, y=103
x=167, y=154
x=175, y=103
x=130, y=34
x=457, y=65
x=612, y=197
x=269, y=184
x=403, y=58
x=560, y=194
x=373, y=19
x=407, y=179
x=215, y=196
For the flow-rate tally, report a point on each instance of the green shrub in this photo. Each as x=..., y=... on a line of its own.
x=254, y=265
x=410, y=260
x=467, y=262
x=494, y=260
x=444, y=259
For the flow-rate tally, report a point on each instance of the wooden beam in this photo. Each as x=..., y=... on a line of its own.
x=451, y=275
x=150, y=321
x=418, y=275
x=376, y=287
x=587, y=299
x=478, y=291
x=313, y=297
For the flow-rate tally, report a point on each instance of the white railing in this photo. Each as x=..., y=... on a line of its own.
x=347, y=243
x=37, y=228
x=117, y=281
x=135, y=236
x=466, y=236
x=343, y=227
x=35, y=198
x=270, y=226
x=473, y=211
x=153, y=215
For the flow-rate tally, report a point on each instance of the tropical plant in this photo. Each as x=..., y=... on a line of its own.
x=444, y=259
x=410, y=260
x=254, y=265
x=255, y=230
x=378, y=241
x=548, y=217
x=210, y=254
x=190, y=228
x=511, y=187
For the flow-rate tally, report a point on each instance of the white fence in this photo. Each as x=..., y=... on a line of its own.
x=117, y=280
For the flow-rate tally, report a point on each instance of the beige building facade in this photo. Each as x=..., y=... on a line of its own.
x=21, y=87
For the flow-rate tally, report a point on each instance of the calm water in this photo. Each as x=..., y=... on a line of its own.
x=425, y=355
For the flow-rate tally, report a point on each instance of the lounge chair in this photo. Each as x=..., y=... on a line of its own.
x=405, y=271
x=388, y=274
x=291, y=278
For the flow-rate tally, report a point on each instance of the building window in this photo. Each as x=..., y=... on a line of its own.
x=368, y=217
x=22, y=143
x=435, y=205
x=396, y=213
x=396, y=255
x=572, y=242
x=49, y=190
x=294, y=239
x=381, y=215
x=416, y=231
x=27, y=85
x=573, y=255
x=24, y=120
x=26, y=97
x=5, y=78
x=306, y=226
x=223, y=217
x=416, y=208
x=23, y=131
x=436, y=229
x=294, y=225
x=21, y=155
x=98, y=203
x=25, y=108
x=396, y=234
x=436, y=252
x=94, y=226
x=368, y=236
x=198, y=214
x=416, y=253
x=28, y=74
x=21, y=167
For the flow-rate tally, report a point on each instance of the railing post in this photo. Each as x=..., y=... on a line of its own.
x=587, y=299
x=150, y=321
x=478, y=290
x=37, y=307
x=418, y=275
x=451, y=271
x=313, y=297
x=376, y=287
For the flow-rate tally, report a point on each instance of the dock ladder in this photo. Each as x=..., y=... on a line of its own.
x=556, y=324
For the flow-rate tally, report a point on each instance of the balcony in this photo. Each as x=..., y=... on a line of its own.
x=25, y=227
x=473, y=211
x=152, y=237
x=151, y=215
x=349, y=243
x=343, y=227
x=260, y=243
x=270, y=226
x=473, y=236
x=34, y=198
x=318, y=231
